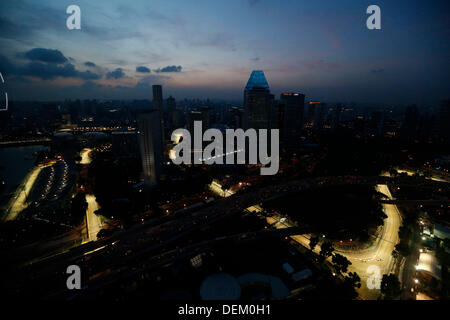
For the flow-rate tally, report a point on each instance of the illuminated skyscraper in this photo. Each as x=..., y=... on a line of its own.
x=258, y=102
x=149, y=124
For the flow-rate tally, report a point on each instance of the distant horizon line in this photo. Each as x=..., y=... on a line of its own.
x=345, y=104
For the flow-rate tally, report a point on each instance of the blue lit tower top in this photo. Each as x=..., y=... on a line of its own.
x=257, y=80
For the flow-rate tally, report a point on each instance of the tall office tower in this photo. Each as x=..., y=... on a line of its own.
x=149, y=125
x=444, y=119
x=171, y=106
x=157, y=97
x=410, y=124
x=291, y=117
x=258, y=102
x=158, y=105
x=309, y=121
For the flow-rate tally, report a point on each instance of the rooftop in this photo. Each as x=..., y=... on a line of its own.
x=257, y=80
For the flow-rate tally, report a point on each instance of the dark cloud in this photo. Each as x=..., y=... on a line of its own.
x=90, y=64
x=45, y=71
x=48, y=71
x=377, y=71
x=46, y=55
x=143, y=69
x=116, y=74
x=170, y=69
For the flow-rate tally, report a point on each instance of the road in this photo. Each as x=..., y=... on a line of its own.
x=19, y=201
x=85, y=156
x=378, y=255
x=411, y=173
x=217, y=188
x=94, y=223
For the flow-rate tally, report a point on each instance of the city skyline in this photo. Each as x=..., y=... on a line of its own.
x=207, y=50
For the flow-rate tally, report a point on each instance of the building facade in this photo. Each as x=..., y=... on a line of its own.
x=149, y=125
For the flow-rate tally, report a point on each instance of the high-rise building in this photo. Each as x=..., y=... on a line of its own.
x=291, y=117
x=158, y=105
x=171, y=106
x=157, y=97
x=258, y=102
x=149, y=124
x=316, y=115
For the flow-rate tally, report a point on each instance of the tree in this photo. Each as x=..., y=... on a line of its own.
x=395, y=254
x=78, y=207
x=326, y=249
x=341, y=263
x=353, y=279
x=446, y=243
x=390, y=286
x=313, y=241
x=393, y=173
x=403, y=248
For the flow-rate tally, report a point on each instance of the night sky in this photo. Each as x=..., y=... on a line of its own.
x=208, y=48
